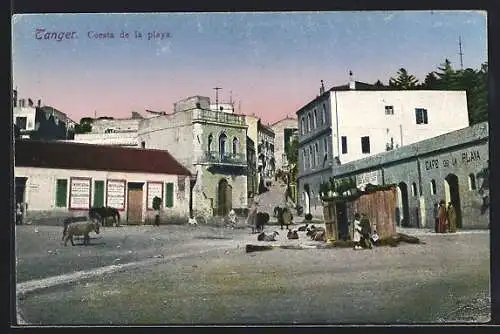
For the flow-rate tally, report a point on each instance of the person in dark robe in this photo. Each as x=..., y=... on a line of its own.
x=443, y=217
x=436, y=218
x=452, y=218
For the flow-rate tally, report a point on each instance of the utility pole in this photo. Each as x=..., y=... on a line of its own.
x=460, y=52
x=217, y=97
x=95, y=114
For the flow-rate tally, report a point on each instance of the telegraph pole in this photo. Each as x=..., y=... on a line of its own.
x=217, y=97
x=460, y=52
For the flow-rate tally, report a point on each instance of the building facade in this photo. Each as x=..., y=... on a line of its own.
x=62, y=179
x=453, y=167
x=211, y=144
x=284, y=130
x=350, y=122
x=40, y=122
x=265, y=151
x=112, y=131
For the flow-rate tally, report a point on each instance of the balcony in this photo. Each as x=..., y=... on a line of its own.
x=202, y=115
x=230, y=159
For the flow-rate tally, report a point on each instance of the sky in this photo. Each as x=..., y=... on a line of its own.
x=270, y=64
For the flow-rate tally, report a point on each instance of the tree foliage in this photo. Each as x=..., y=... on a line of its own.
x=292, y=155
x=403, y=80
x=85, y=125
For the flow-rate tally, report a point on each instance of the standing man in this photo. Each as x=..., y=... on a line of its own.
x=443, y=218
x=252, y=214
x=452, y=218
x=19, y=214
x=436, y=218
x=357, y=231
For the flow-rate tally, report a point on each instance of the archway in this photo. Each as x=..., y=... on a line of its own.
x=222, y=145
x=224, y=198
x=405, y=214
x=452, y=194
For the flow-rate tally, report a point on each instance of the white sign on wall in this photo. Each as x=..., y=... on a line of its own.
x=154, y=189
x=365, y=178
x=116, y=194
x=80, y=193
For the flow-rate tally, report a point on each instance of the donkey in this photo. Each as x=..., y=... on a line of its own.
x=80, y=228
x=101, y=213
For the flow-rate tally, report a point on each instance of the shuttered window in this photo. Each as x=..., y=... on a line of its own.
x=98, y=194
x=62, y=193
x=169, y=196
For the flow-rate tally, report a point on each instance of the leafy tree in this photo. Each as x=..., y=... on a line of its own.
x=379, y=84
x=477, y=96
x=85, y=125
x=447, y=77
x=292, y=155
x=403, y=80
x=430, y=81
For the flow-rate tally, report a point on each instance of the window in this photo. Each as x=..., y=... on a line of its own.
x=315, y=120
x=325, y=145
x=309, y=123
x=414, y=189
x=181, y=187
x=344, y=144
x=98, y=193
x=433, y=187
x=421, y=116
x=311, y=157
x=169, y=196
x=389, y=110
x=222, y=145
x=143, y=144
x=109, y=131
x=61, y=193
x=303, y=127
x=316, y=148
x=21, y=122
x=235, y=146
x=324, y=113
x=304, y=158
x=472, y=182
x=365, y=144
x=210, y=140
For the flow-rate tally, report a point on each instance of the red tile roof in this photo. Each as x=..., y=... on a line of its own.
x=68, y=155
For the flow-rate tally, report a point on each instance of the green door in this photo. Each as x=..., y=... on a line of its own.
x=98, y=193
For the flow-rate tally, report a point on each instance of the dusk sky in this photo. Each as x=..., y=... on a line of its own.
x=272, y=62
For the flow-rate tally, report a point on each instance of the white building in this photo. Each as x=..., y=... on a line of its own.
x=112, y=131
x=284, y=131
x=354, y=121
x=61, y=179
x=224, y=107
x=212, y=145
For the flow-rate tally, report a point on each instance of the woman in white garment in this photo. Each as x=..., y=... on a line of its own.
x=357, y=231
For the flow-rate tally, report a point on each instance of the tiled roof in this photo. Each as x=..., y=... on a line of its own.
x=69, y=155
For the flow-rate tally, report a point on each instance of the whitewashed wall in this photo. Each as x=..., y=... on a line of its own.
x=41, y=189
x=362, y=113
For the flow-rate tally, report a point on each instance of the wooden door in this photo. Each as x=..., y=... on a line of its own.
x=134, y=206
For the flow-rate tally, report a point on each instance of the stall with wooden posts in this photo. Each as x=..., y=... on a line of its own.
x=378, y=204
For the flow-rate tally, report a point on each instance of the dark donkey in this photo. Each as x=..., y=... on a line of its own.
x=102, y=213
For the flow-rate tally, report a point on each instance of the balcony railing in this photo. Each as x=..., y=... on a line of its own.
x=238, y=159
x=218, y=117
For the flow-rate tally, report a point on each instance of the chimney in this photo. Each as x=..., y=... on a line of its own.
x=352, y=83
x=322, y=88
x=14, y=98
x=39, y=103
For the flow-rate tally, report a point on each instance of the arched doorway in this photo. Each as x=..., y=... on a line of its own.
x=452, y=194
x=224, y=198
x=403, y=200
